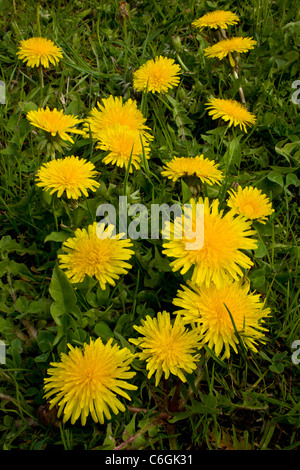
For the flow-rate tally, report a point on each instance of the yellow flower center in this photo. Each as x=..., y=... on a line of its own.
x=248, y=209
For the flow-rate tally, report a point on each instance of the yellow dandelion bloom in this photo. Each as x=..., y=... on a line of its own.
x=96, y=252
x=122, y=143
x=251, y=203
x=219, y=256
x=206, y=170
x=167, y=347
x=70, y=174
x=54, y=122
x=216, y=19
x=114, y=111
x=209, y=307
x=157, y=75
x=39, y=51
x=232, y=111
x=88, y=380
x=222, y=48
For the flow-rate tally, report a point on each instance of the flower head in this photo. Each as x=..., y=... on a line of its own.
x=96, y=252
x=232, y=111
x=114, y=111
x=209, y=307
x=222, y=48
x=206, y=170
x=87, y=381
x=217, y=257
x=251, y=203
x=54, y=122
x=216, y=19
x=157, y=75
x=167, y=348
x=123, y=143
x=36, y=51
x=70, y=174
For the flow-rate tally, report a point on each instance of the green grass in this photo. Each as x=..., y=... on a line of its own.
x=250, y=401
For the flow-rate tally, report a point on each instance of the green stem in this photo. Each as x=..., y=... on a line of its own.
x=221, y=141
x=182, y=63
x=234, y=64
x=54, y=213
x=89, y=209
x=41, y=76
x=38, y=19
x=144, y=107
x=68, y=212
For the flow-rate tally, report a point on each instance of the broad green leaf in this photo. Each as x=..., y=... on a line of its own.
x=276, y=177
x=186, y=192
x=233, y=153
x=57, y=237
x=180, y=416
x=103, y=331
x=61, y=290
x=42, y=357
x=261, y=250
x=63, y=295
x=277, y=367
x=291, y=178
x=45, y=340
x=15, y=350
x=7, y=329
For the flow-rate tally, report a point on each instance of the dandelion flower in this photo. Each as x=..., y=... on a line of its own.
x=206, y=170
x=114, y=111
x=216, y=19
x=54, y=123
x=251, y=203
x=123, y=143
x=70, y=174
x=88, y=380
x=232, y=111
x=97, y=252
x=167, y=347
x=157, y=75
x=219, y=256
x=39, y=51
x=209, y=307
x=222, y=48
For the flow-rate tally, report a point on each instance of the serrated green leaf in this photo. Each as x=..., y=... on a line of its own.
x=129, y=428
x=20, y=269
